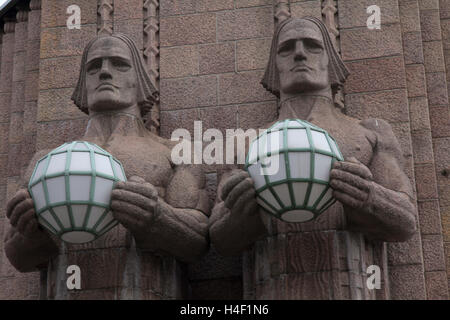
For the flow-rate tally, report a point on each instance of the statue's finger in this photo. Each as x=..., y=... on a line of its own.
x=237, y=192
x=134, y=198
x=126, y=209
x=353, y=159
x=350, y=178
x=246, y=198
x=20, y=209
x=24, y=220
x=146, y=189
x=232, y=182
x=347, y=200
x=341, y=186
x=21, y=195
x=137, y=179
x=31, y=227
x=252, y=208
x=218, y=212
x=355, y=168
x=129, y=222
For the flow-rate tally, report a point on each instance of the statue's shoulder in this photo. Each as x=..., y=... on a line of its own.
x=383, y=134
x=166, y=143
x=376, y=125
x=147, y=143
x=381, y=128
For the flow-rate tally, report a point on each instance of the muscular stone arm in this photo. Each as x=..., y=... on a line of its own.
x=235, y=222
x=27, y=246
x=181, y=233
x=183, y=215
x=389, y=212
x=175, y=224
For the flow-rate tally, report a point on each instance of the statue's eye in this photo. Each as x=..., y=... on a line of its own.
x=120, y=64
x=94, y=66
x=286, y=48
x=313, y=46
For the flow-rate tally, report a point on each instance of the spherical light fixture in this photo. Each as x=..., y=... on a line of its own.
x=71, y=189
x=290, y=165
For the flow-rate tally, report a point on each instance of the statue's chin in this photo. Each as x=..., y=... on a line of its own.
x=304, y=87
x=108, y=104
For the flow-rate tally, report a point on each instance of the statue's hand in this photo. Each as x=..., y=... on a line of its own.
x=22, y=216
x=134, y=204
x=235, y=222
x=351, y=182
x=238, y=194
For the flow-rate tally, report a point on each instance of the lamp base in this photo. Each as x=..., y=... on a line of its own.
x=77, y=237
x=297, y=216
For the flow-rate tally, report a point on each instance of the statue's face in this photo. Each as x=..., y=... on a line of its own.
x=111, y=80
x=302, y=60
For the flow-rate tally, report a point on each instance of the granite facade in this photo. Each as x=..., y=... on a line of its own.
x=211, y=57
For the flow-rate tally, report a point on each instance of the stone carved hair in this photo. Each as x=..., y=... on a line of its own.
x=338, y=72
x=147, y=94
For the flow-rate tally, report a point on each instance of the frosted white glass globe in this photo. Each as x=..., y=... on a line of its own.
x=71, y=189
x=290, y=165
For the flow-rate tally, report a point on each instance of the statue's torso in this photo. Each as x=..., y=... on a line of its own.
x=318, y=259
x=120, y=270
x=141, y=156
x=354, y=140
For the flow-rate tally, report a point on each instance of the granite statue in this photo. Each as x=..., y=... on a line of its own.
x=163, y=206
x=325, y=258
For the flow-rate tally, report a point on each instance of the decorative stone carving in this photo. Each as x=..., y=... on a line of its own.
x=282, y=10
x=9, y=24
x=151, y=56
x=329, y=10
x=22, y=15
x=35, y=4
x=162, y=205
x=105, y=17
x=322, y=259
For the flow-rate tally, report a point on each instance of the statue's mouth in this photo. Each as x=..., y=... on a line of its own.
x=106, y=86
x=300, y=68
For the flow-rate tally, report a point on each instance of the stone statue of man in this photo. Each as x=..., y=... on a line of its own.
x=328, y=257
x=163, y=206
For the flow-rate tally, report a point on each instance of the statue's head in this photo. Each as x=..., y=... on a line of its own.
x=113, y=77
x=303, y=59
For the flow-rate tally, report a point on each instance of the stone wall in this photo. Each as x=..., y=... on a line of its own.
x=212, y=59
x=18, y=95
x=207, y=58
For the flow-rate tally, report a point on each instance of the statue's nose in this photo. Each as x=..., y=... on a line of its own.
x=105, y=70
x=299, y=52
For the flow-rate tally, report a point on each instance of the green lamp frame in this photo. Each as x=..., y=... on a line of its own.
x=336, y=156
x=69, y=148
